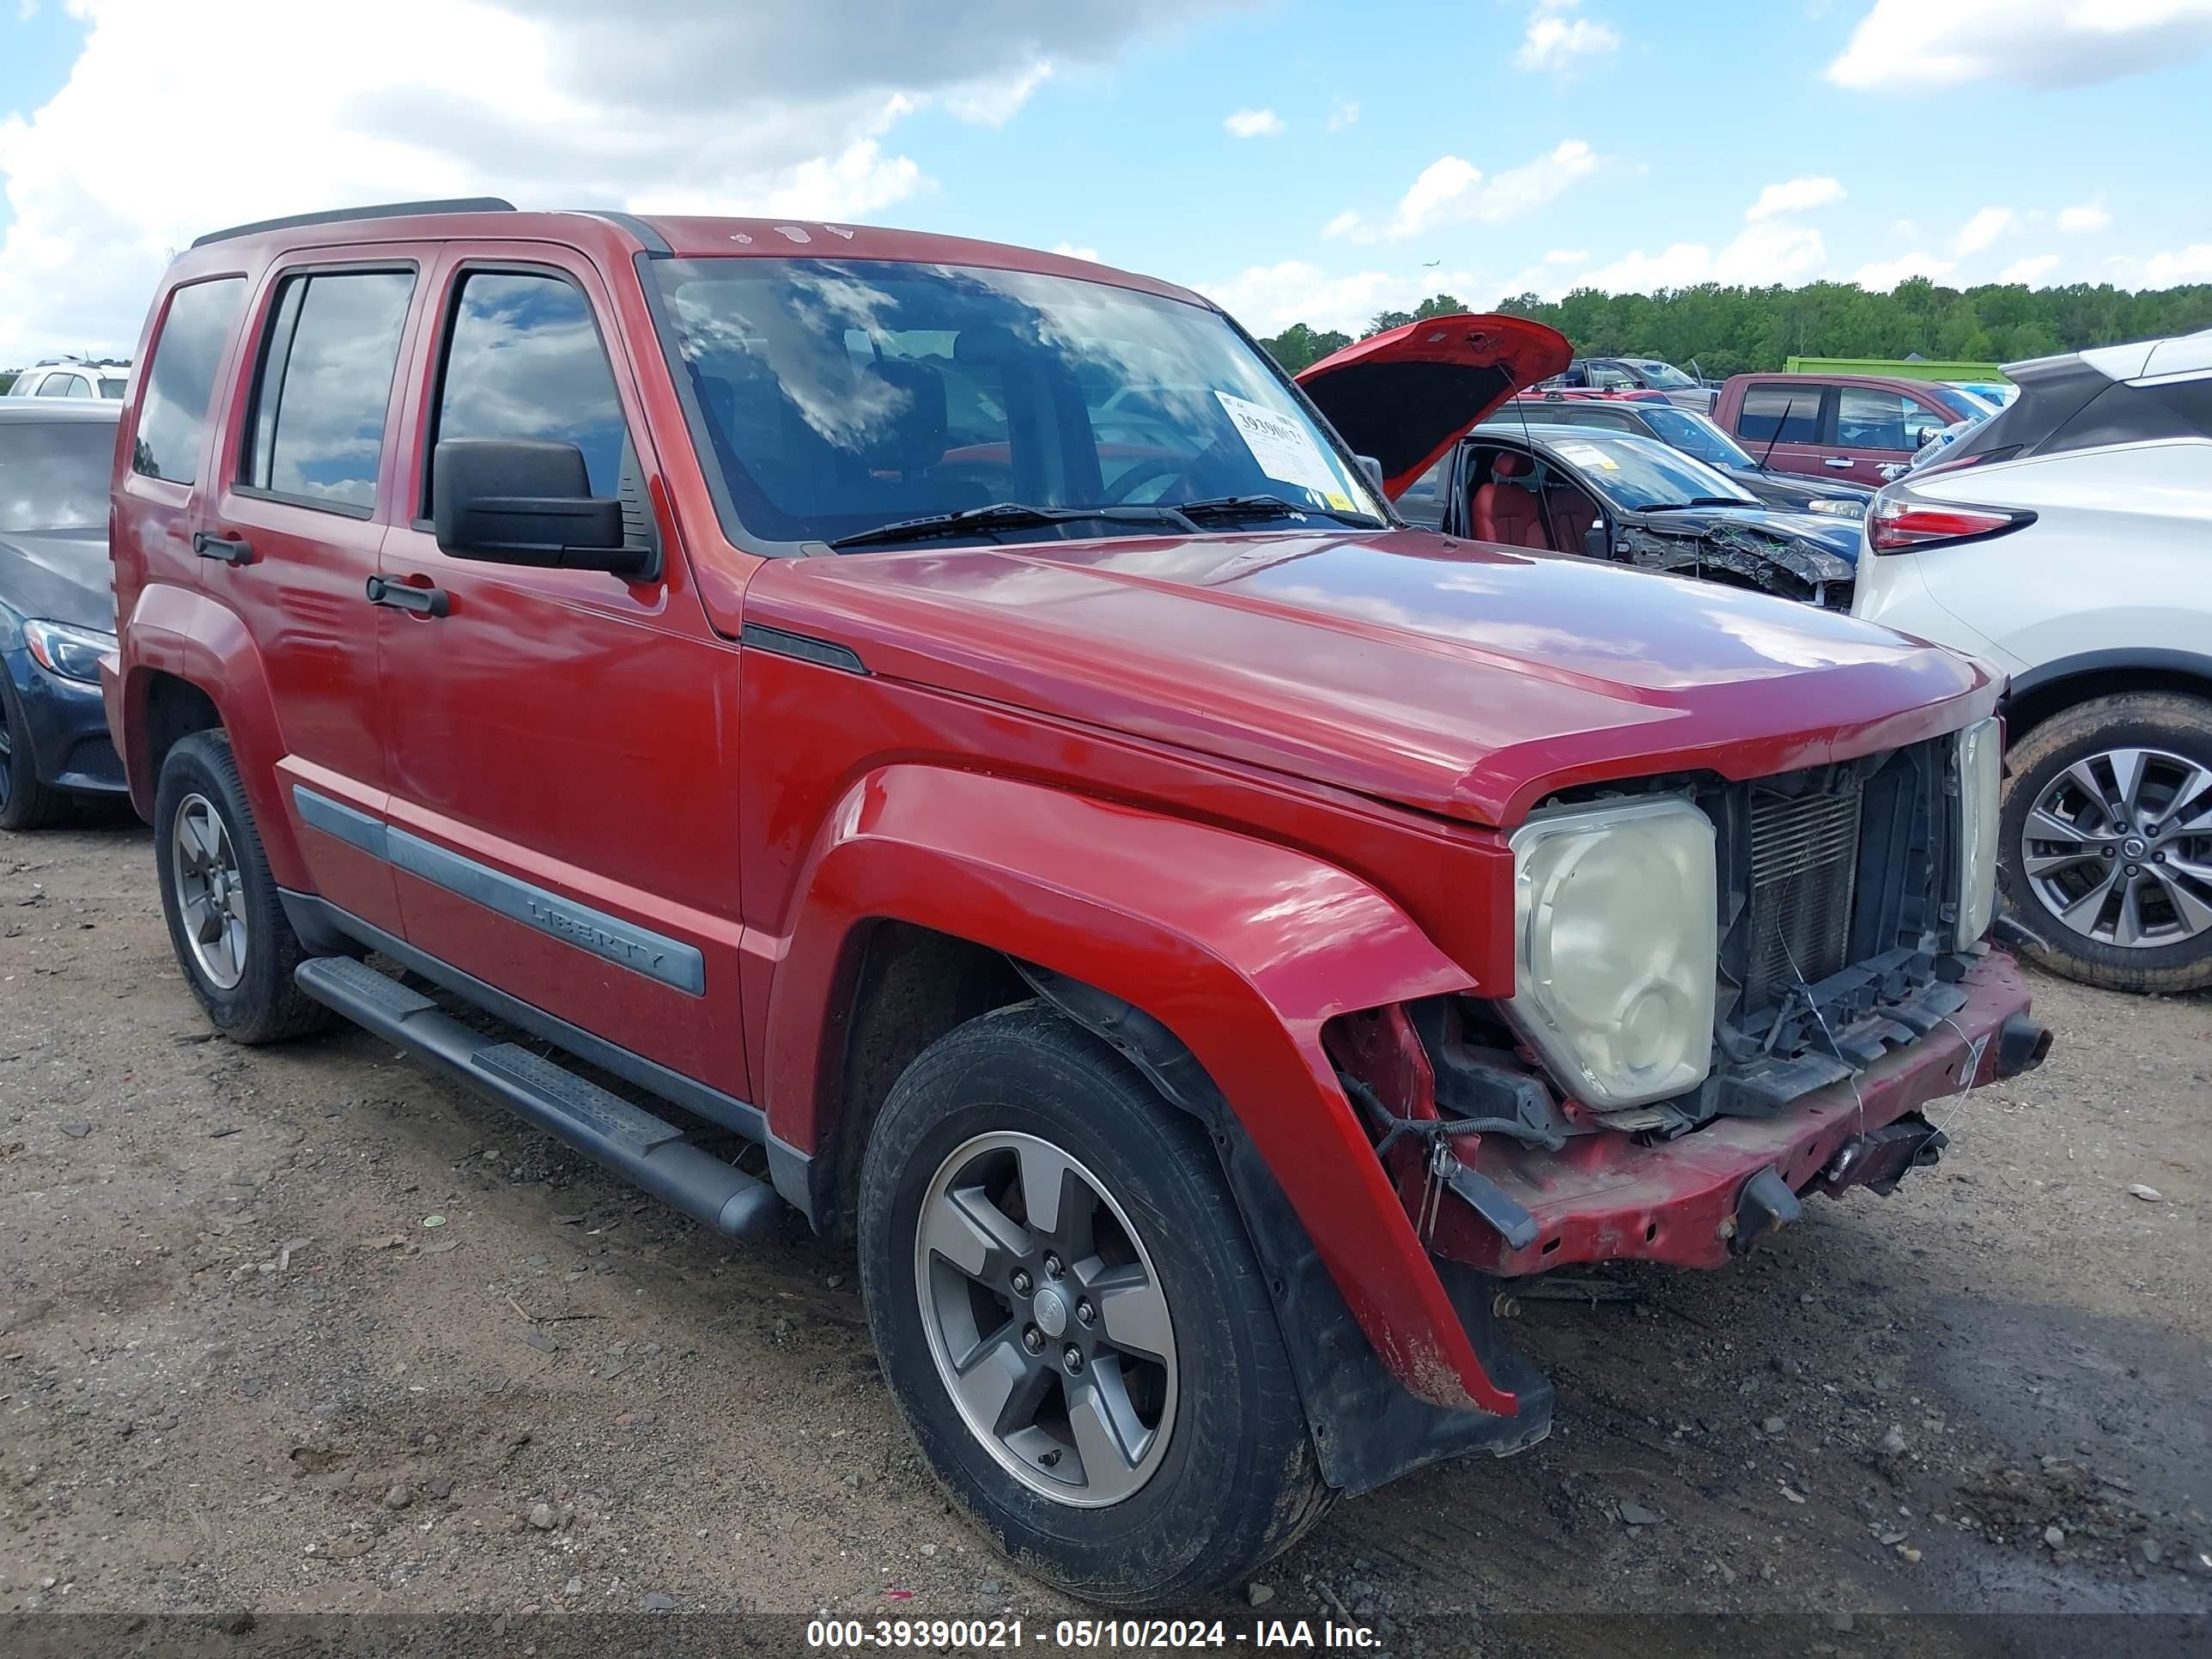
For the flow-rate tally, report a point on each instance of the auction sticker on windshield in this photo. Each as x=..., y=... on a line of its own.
x=1284, y=449
x=1590, y=455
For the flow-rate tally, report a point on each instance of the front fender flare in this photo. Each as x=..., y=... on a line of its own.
x=1242, y=948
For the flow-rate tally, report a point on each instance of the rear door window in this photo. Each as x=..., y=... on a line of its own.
x=317, y=435
x=1869, y=419
x=65, y=385
x=181, y=379
x=1777, y=413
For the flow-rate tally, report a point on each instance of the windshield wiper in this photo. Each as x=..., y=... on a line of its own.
x=1271, y=506
x=1010, y=515
x=1700, y=501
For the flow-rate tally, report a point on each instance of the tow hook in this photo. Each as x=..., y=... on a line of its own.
x=1766, y=1205
x=2022, y=1045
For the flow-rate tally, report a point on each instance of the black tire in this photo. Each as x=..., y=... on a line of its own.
x=265, y=1005
x=25, y=803
x=2177, y=724
x=1236, y=1481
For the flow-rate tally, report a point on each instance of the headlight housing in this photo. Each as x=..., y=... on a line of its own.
x=1839, y=507
x=72, y=653
x=1980, y=750
x=1616, y=948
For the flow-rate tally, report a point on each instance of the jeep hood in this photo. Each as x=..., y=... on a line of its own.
x=1405, y=396
x=1458, y=679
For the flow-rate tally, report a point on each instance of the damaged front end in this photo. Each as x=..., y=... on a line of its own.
x=1745, y=554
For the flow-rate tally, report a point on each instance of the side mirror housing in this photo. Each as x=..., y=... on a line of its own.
x=1373, y=470
x=527, y=502
x=1595, y=545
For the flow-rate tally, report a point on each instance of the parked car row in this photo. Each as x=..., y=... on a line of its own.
x=960, y=725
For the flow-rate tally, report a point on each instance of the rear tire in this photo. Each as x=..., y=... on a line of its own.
x=25, y=803
x=2063, y=766
x=1228, y=1477
x=225, y=917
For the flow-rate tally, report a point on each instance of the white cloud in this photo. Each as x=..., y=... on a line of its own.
x=1556, y=40
x=2089, y=215
x=1451, y=191
x=1985, y=227
x=2027, y=270
x=776, y=109
x=1267, y=299
x=1884, y=274
x=2193, y=264
x=1254, y=124
x=1760, y=255
x=1069, y=251
x=1798, y=196
x=1913, y=46
x=1342, y=114
x=1566, y=255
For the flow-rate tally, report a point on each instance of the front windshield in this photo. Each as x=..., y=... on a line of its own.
x=53, y=474
x=840, y=395
x=1641, y=473
x=1660, y=374
x=1693, y=434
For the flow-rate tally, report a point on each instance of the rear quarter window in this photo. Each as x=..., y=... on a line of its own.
x=1780, y=413
x=181, y=379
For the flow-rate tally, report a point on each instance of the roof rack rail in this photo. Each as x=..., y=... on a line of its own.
x=379, y=211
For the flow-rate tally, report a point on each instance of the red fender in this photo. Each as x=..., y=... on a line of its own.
x=1242, y=948
x=182, y=632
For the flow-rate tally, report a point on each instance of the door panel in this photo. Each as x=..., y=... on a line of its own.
x=1875, y=429
x=300, y=491
x=560, y=744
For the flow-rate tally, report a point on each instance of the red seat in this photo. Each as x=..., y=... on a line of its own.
x=1572, y=517
x=1507, y=513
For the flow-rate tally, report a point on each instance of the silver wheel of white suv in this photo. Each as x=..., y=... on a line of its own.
x=2119, y=846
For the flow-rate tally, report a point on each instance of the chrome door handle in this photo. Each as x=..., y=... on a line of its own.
x=1837, y=460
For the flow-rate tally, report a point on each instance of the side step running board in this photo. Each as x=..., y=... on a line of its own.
x=647, y=1150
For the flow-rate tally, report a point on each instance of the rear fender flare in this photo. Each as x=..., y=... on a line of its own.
x=183, y=633
x=1240, y=948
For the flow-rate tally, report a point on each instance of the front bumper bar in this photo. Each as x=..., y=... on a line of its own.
x=1606, y=1198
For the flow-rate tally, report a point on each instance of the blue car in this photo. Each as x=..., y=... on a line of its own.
x=56, y=606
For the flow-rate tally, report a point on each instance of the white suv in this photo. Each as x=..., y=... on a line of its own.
x=2069, y=540
x=73, y=377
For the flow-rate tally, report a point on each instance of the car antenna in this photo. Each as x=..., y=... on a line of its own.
x=1788, y=408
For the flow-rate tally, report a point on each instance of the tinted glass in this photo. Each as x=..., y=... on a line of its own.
x=173, y=416
x=524, y=361
x=1963, y=405
x=1641, y=473
x=1794, y=411
x=1662, y=374
x=1868, y=419
x=65, y=385
x=1693, y=434
x=1423, y=501
x=113, y=388
x=53, y=474
x=326, y=381
x=841, y=396
x=1606, y=378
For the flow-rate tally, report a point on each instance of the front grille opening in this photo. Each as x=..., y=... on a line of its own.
x=1804, y=869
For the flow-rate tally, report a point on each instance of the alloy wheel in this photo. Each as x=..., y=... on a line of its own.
x=1046, y=1319
x=2118, y=848
x=210, y=891
x=6, y=754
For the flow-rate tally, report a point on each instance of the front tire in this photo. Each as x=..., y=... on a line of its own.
x=25, y=803
x=1071, y=1320
x=2107, y=841
x=225, y=917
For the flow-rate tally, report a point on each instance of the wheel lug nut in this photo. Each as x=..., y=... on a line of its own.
x=1085, y=1312
x=1021, y=1283
x=1071, y=1357
x=2132, y=870
x=1052, y=1264
x=1032, y=1339
x=2109, y=852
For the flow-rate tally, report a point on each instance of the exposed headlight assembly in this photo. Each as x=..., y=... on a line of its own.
x=1980, y=750
x=1839, y=507
x=1616, y=948
x=72, y=653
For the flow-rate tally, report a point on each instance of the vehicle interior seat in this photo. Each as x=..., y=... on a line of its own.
x=1572, y=516
x=1508, y=513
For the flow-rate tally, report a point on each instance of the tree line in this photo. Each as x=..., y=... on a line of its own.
x=1733, y=330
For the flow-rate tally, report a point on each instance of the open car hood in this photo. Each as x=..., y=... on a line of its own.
x=1405, y=396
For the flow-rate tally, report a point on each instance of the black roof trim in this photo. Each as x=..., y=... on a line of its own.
x=379, y=211
x=649, y=238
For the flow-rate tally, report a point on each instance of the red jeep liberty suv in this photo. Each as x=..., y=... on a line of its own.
x=950, y=740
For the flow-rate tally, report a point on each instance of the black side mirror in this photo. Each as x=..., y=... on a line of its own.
x=1373, y=469
x=1594, y=546
x=528, y=501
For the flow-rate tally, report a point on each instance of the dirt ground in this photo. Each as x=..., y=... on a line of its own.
x=304, y=1328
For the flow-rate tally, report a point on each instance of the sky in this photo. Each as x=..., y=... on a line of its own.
x=1298, y=162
